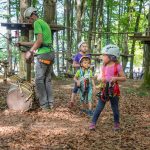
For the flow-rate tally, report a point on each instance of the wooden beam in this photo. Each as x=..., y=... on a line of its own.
x=140, y=38
x=22, y=26
x=123, y=55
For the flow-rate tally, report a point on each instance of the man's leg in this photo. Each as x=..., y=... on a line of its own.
x=40, y=70
x=49, y=86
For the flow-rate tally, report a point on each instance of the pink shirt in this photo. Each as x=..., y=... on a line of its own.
x=108, y=71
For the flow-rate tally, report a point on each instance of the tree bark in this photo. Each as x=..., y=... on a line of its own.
x=23, y=67
x=108, y=23
x=57, y=50
x=92, y=15
x=100, y=23
x=68, y=24
x=133, y=44
x=9, y=38
x=49, y=11
x=80, y=13
x=125, y=36
x=147, y=57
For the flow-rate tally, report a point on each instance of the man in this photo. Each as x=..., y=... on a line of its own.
x=44, y=57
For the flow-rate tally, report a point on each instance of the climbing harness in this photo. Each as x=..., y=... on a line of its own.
x=84, y=87
x=109, y=89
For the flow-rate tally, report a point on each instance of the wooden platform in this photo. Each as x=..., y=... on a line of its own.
x=23, y=26
x=143, y=39
x=123, y=55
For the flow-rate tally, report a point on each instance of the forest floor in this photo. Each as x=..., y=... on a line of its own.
x=66, y=129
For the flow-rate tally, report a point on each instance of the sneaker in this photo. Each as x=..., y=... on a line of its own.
x=116, y=126
x=90, y=113
x=92, y=126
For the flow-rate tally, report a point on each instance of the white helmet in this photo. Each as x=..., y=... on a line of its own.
x=79, y=45
x=111, y=50
x=29, y=11
x=84, y=57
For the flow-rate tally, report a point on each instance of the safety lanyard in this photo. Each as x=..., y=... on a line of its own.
x=83, y=73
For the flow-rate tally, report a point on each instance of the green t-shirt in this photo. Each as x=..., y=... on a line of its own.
x=84, y=74
x=42, y=27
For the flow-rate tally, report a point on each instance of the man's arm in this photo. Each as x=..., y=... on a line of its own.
x=37, y=43
x=34, y=45
x=29, y=44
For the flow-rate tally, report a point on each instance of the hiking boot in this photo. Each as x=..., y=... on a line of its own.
x=92, y=126
x=116, y=126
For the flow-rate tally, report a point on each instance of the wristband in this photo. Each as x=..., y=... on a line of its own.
x=32, y=51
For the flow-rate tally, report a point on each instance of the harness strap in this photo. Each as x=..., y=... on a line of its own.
x=82, y=73
x=85, y=84
x=47, y=62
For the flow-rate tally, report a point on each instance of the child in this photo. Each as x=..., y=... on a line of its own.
x=82, y=46
x=111, y=73
x=83, y=78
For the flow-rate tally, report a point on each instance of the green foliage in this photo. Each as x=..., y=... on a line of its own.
x=121, y=20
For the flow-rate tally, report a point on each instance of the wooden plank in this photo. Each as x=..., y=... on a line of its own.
x=123, y=55
x=140, y=38
x=24, y=26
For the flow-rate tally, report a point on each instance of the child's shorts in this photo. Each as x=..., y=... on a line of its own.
x=75, y=89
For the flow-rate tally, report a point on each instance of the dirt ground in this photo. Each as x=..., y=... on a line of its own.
x=66, y=129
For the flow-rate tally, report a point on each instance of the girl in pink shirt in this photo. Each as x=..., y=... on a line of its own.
x=111, y=73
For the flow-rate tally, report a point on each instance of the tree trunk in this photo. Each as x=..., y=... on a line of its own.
x=49, y=15
x=133, y=44
x=57, y=50
x=71, y=24
x=92, y=15
x=68, y=23
x=100, y=23
x=9, y=38
x=125, y=36
x=108, y=23
x=80, y=11
x=49, y=11
x=23, y=67
x=64, y=39
x=147, y=57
